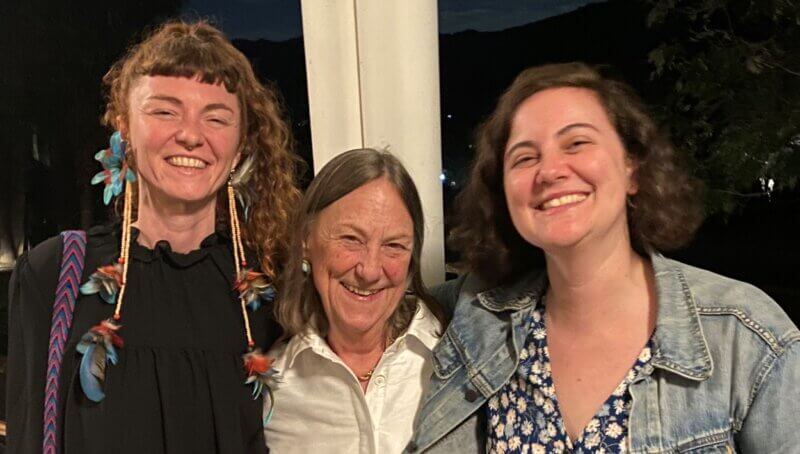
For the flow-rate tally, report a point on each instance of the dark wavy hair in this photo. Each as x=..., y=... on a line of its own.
x=266, y=175
x=662, y=215
x=299, y=304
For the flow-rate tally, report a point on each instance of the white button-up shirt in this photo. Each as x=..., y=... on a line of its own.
x=321, y=408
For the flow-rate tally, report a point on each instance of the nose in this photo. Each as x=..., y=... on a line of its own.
x=552, y=167
x=189, y=135
x=370, y=267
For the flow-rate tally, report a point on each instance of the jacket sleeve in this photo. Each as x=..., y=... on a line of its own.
x=771, y=424
x=31, y=294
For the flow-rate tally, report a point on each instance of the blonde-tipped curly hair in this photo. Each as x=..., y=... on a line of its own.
x=266, y=177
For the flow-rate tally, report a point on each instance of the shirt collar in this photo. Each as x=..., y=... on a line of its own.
x=424, y=327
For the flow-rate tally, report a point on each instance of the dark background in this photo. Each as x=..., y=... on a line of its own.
x=722, y=76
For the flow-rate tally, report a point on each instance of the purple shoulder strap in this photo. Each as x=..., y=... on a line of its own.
x=69, y=281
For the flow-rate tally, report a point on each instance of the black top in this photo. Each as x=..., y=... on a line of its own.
x=179, y=385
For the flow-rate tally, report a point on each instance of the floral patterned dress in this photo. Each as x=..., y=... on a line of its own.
x=523, y=416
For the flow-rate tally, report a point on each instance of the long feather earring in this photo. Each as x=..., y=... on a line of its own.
x=253, y=288
x=99, y=345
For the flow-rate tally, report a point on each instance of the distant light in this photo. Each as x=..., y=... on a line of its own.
x=442, y=177
x=449, y=116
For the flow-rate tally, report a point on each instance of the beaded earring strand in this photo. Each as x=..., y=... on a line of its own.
x=99, y=344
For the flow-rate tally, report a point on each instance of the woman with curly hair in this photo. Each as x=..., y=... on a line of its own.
x=162, y=348
x=571, y=332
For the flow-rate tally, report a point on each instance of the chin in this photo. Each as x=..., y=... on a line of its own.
x=190, y=196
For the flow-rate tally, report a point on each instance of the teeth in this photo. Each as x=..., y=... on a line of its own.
x=183, y=161
x=359, y=291
x=571, y=198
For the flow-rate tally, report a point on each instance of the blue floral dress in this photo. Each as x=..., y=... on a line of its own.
x=523, y=416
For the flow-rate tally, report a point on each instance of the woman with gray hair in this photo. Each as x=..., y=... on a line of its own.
x=359, y=321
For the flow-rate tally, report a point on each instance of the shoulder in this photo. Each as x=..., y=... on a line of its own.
x=286, y=351
x=447, y=293
x=41, y=262
x=458, y=291
x=740, y=303
x=39, y=267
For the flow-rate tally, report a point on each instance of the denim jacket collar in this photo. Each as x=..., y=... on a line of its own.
x=680, y=345
x=518, y=295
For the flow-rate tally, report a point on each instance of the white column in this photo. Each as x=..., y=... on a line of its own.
x=373, y=81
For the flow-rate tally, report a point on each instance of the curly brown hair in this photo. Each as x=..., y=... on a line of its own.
x=662, y=215
x=299, y=304
x=266, y=177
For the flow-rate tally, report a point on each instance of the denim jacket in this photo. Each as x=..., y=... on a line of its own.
x=724, y=375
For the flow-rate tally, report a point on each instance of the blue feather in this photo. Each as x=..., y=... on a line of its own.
x=111, y=352
x=268, y=415
x=89, y=383
x=116, y=144
x=99, y=177
x=91, y=286
x=254, y=304
x=107, y=193
x=268, y=294
x=108, y=296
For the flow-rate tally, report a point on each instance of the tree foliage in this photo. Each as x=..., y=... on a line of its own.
x=730, y=75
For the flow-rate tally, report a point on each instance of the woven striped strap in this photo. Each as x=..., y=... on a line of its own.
x=69, y=280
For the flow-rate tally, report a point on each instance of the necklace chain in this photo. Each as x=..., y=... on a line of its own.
x=368, y=375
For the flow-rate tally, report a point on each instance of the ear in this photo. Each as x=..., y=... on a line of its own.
x=236, y=160
x=119, y=122
x=631, y=170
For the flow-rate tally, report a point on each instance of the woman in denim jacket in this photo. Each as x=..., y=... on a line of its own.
x=572, y=333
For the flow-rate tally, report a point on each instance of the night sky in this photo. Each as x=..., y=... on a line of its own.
x=279, y=20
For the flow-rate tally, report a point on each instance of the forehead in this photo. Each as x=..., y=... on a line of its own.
x=376, y=204
x=559, y=107
x=185, y=89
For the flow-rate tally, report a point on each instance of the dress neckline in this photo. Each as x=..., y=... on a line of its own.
x=162, y=250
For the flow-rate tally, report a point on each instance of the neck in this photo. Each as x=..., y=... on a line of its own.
x=359, y=351
x=592, y=287
x=184, y=225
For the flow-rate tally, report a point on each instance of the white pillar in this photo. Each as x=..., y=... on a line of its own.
x=373, y=81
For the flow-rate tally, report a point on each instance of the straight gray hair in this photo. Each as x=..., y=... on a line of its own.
x=298, y=303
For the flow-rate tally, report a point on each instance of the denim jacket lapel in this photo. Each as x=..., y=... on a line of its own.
x=680, y=345
x=469, y=365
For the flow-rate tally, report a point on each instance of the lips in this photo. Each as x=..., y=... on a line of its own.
x=187, y=162
x=561, y=200
x=359, y=291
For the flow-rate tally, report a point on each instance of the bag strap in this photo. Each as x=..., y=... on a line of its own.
x=69, y=281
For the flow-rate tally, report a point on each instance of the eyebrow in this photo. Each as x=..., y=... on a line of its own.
x=178, y=102
x=358, y=230
x=571, y=126
x=560, y=132
x=524, y=143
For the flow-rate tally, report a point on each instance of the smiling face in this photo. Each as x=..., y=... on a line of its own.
x=360, y=250
x=565, y=171
x=185, y=137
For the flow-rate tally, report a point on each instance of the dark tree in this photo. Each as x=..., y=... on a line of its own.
x=730, y=75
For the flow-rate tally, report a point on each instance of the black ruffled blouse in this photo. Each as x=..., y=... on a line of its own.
x=179, y=385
